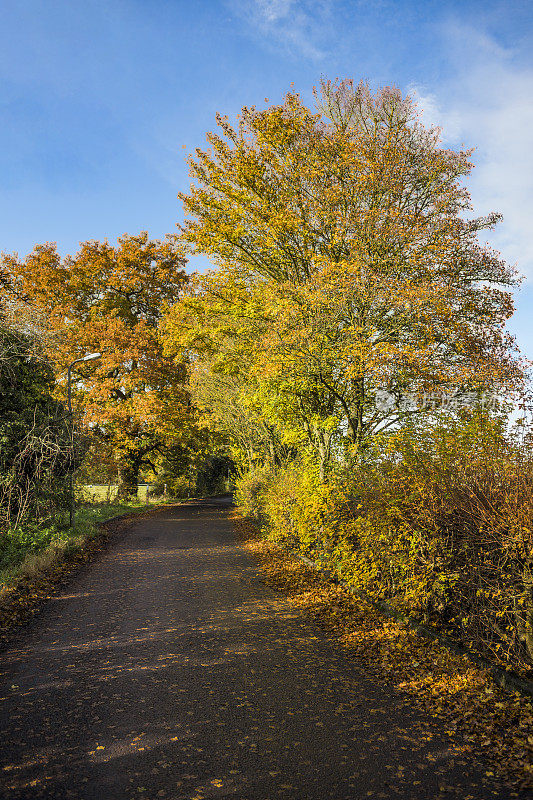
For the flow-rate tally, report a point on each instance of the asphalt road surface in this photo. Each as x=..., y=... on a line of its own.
x=168, y=670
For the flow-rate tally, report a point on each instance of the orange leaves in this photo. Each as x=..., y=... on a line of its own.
x=456, y=697
x=110, y=300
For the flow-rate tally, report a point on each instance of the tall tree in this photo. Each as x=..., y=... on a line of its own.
x=110, y=300
x=347, y=229
x=233, y=395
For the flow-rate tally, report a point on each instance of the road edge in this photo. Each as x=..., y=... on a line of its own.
x=22, y=601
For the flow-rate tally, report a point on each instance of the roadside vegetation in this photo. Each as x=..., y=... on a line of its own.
x=346, y=364
x=352, y=348
x=30, y=549
x=40, y=448
x=437, y=521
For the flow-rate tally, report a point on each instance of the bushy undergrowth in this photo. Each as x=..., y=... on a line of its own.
x=36, y=453
x=438, y=521
x=30, y=548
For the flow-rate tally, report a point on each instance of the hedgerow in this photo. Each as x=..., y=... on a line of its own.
x=437, y=520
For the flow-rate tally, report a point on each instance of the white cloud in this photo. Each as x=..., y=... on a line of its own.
x=297, y=25
x=488, y=104
x=273, y=10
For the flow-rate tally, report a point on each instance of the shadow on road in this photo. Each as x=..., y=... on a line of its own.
x=169, y=670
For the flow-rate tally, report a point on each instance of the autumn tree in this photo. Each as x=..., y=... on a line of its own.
x=110, y=300
x=230, y=400
x=35, y=434
x=347, y=261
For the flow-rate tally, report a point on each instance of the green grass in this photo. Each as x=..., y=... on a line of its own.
x=106, y=493
x=31, y=548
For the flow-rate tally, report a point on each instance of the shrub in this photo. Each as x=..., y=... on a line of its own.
x=460, y=495
x=438, y=521
x=250, y=491
x=35, y=450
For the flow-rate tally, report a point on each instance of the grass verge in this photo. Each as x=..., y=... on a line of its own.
x=481, y=720
x=36, y=561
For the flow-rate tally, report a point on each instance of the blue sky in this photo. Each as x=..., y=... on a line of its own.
x=102, y=99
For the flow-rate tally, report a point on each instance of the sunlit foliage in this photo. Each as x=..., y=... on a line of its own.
x=437, y=522
x=347, y=267
x=110, y=299
x=351, y=293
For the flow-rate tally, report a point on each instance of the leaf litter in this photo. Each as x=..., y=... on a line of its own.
x=478, y=717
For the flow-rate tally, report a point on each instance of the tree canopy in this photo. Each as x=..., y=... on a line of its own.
x=110, y=300
x=349, y=269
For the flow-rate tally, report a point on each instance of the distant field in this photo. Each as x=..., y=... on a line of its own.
x=106, y=492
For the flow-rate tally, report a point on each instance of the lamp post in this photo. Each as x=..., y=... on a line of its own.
x=89, y=357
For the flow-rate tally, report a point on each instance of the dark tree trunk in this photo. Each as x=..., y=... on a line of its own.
x=128, y=479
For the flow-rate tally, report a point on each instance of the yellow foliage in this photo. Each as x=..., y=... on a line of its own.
x=346, y=268
x=437, y=521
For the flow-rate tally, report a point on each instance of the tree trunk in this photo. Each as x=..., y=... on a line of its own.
x=524, y=619
x=324, y=453
x=128, y=478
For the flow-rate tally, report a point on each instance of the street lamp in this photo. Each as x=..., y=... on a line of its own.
x=89, y=357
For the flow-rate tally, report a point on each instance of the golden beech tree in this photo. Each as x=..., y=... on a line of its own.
x=348, y=262
x=261, y=418
x=110, y=300
x=221, y=382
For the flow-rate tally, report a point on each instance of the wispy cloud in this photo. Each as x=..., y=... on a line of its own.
x=299, y=26
x=487, y=104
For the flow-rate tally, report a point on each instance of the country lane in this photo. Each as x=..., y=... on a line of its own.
x=167, y=669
